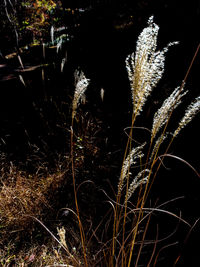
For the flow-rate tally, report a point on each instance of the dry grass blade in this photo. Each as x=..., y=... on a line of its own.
x=167, y=246
x=186, y=239
x=182, y=160
x=162, y=211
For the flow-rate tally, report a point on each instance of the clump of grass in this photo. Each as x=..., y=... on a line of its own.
x=25, y=201
x=36, y=255
x=145, y=68
x=19, y=196
x=22, y=194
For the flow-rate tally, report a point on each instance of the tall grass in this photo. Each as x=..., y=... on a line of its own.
x=81, y=84
x=140, y=165
x=145, y=68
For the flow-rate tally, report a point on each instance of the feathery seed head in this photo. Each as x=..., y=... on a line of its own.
x=190, y=112
x=146, y=66
x=137, y=181
x=157, y=144
x=81, y=84
x=134, y=154
x=162, y=115
x=52, y=34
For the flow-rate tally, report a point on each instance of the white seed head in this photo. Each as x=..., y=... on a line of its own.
x=81, y=84
x=134, y=154
x=146, y=66
x=140, y=179
x=52, y=34
x=157, y=144
x=163, y=114
x=61, y=233
x=102, y=91
x=190, y=112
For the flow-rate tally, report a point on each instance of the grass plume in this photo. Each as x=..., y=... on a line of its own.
x=81, y=84
x=190, y=113
x=145, y=67
x=163, y=113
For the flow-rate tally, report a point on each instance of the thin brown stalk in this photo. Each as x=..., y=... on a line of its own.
x=154, y=249
x=167, y=246
x=75, y=197
x=185, y=241
x=142, y=242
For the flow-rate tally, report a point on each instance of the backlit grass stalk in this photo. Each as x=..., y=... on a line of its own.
x=81, y=84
